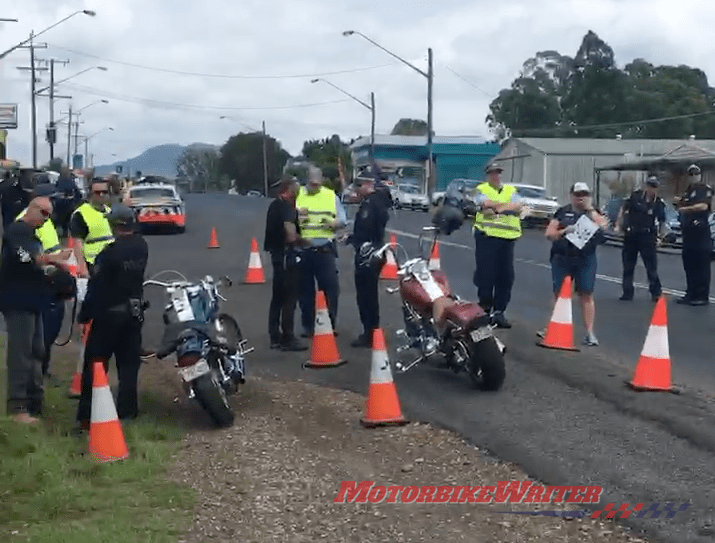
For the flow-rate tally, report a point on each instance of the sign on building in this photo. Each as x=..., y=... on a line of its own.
x=8, y=116
x=77, y=162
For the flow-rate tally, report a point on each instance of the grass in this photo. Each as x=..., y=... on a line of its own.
x=51, y=491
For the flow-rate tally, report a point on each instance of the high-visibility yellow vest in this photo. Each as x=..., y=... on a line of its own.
x=503, y=226
x=47, y=234
x=320, y=206
x=100, y=232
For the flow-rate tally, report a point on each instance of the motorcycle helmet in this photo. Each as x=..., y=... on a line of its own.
x=450, y=215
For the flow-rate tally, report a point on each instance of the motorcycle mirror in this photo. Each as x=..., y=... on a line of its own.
x=226, y=280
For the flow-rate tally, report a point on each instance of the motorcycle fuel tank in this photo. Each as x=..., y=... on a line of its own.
x=415, y=294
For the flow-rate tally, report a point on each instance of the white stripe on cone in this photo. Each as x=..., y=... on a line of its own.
x=254, y=262
x=656, y=343
x=323, y=325
x=562, y=311
x=103, y=409
x=434, y=264
x=381, y=374
x=390, y=258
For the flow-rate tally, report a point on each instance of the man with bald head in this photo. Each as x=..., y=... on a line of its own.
x=24, y=295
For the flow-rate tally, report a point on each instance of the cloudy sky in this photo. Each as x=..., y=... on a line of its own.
x=174, y=67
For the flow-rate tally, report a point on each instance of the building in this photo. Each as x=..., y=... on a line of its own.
x=406, y=157
x=557, y=163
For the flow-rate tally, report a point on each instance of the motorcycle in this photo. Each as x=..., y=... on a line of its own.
x=438, y=322
x=210, y=349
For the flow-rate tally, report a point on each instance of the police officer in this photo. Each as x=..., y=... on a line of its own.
x=320, y=214
x=89, y=227
x=497, y=226
x=637, y=218
x=54, y=313
x=114, y=304
x=368, y=236
x=695, y=207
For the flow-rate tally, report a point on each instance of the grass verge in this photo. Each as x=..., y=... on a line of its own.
x=51, y=491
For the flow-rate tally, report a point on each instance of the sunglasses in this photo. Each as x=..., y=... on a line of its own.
x=581, y=194
x=46, y=214
x=101, y=192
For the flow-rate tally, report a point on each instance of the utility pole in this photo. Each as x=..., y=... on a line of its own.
x=372, y=129
x=52, y=132
x=265, y=161
x=69, y=138
x=33, y=69
x=430, y=78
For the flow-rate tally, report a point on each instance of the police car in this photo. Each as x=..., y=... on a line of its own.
x=157, y=203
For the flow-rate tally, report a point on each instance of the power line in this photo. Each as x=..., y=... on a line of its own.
x=175, y=105
x=467, y=81
x=220, y=76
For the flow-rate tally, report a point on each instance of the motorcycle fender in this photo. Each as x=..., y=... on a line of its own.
x=191, y=373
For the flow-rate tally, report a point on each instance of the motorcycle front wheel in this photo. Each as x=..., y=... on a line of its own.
x=212, y=397
x=486, y=365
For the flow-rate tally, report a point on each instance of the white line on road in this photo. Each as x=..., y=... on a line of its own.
x=607, y=278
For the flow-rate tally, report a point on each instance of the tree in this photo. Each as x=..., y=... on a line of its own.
x=556, y=96
x=242, y=160
x=199, y=167
x=409, y=127
x=328, y=155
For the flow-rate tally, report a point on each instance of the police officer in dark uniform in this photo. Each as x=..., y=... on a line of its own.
x=368, y=236
x=638, y=218
x=695, y=207
x=114, y=304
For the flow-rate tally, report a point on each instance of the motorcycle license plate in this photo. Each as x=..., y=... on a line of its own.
x=194, y=372
x=480, y=335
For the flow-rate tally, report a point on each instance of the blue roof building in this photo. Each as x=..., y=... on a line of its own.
x=455, y=157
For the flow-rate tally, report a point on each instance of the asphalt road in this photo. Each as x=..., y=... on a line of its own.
x=566, y=418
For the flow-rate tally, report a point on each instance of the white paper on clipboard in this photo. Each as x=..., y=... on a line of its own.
x=585, y=230
x=181, y=304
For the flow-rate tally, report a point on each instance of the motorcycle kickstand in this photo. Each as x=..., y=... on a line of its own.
x=402, y=369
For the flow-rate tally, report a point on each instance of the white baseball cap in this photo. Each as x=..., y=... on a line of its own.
x=580, y=187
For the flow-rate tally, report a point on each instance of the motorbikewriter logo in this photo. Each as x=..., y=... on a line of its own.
x=502, y=492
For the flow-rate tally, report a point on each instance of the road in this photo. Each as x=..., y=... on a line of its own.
x=565, y=418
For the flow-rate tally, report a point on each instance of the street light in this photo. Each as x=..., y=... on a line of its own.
x=83, y=11
x=370, y=107
x=104, y=69
x=430, y=78
x=87, y=138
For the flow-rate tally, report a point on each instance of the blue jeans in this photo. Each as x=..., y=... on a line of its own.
x=582, y=269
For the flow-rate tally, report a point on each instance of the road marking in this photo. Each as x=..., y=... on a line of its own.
x=606, y=278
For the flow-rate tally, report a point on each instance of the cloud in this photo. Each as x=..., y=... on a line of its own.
x=484, y=43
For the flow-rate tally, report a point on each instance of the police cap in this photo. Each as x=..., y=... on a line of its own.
x=121, y=215
x=694, y=169
x=44, y=190
x=653, y=181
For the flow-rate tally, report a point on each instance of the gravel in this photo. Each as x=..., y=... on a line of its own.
x=274, y=474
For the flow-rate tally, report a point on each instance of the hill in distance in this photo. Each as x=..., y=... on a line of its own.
x=160, y=160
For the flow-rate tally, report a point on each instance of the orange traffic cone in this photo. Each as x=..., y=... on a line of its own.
x=106, y=438
x=383, y=405
x=434, y=262
x=324, y=350
x=653, y=368
x=254, y=273
x=75, y=390
x=72, y=264
x=213, y=243
x=559, y=334
x=389, y=270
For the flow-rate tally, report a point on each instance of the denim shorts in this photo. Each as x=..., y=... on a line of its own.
x=581, y=269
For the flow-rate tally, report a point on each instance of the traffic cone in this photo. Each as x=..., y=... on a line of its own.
x=434, y=262
x=75, y=390
x=559, y=334
x=106, y=438
x=389, y=270
x=653, y=369
x=72, y=264
x=383, y=405
x=324, y=349
x=254, y=273
x=213, y=243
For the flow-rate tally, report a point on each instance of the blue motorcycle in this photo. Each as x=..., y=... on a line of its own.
x=209, y=346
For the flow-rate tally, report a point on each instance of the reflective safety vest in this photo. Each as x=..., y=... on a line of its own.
x=47, y=234
x=320, y=206
x=502, y=226
x=100, y=232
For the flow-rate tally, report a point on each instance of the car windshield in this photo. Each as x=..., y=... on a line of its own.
x=409, y=189
x=531, y=192
x=153, y=192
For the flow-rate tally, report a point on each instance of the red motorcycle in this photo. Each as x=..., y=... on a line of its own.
x=438, y=322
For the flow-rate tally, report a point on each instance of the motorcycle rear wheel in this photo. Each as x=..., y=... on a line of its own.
x=212, y=397
x=486, y=365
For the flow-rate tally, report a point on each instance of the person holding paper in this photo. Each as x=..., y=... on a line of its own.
x=576, y=231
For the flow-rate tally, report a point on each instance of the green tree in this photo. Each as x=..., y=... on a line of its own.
x=325, y=154
x=199, y=168
x=242, y=160
x=409, y=127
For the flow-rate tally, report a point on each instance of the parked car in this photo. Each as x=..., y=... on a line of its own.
x=349, y=195
x=541, y=208
x=157, y=204
x=410, y=197
x=254, y=193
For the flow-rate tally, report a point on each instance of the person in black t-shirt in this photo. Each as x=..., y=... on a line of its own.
x=568, y=259
x=24, y=294
x=695, y=207
x=283, y=242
